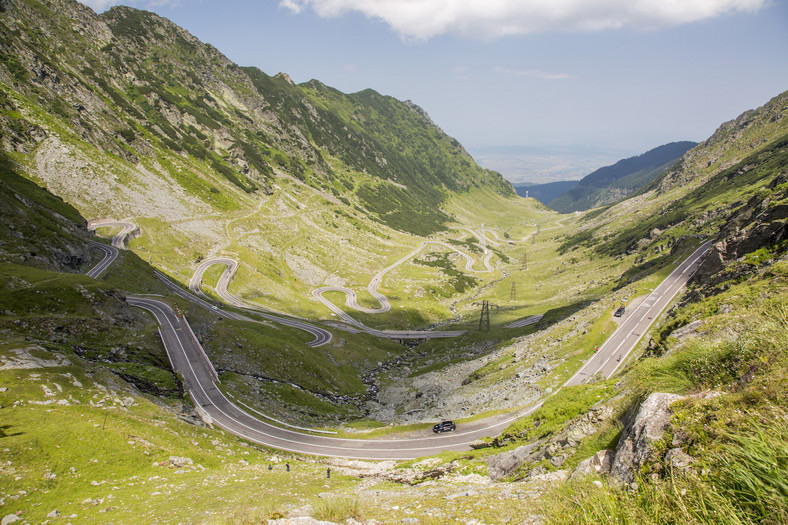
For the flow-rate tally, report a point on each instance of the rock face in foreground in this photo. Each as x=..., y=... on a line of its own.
x=763, y=221
x=644, y=428
x=556, y=450
x=502, y=465
x=599, y=463
x=636, y=445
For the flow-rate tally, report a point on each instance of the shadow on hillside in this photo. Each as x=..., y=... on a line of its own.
x=556, y=315
x=643, y=270
x=4, y=433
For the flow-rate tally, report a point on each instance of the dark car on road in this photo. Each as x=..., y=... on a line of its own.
x=444, y=426
x=619, y=312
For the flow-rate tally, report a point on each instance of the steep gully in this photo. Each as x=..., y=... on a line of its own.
x=188, y=358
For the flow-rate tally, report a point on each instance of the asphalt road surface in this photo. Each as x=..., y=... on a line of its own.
x=610, y=356
x=110, y=254
x=121, y=238
x=322, y=336
x=188, y=358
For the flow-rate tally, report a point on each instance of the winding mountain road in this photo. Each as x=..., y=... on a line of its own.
x=110, y=254
x=121, y=239
x=322, y=336
x=190, y=360
x=351, y=300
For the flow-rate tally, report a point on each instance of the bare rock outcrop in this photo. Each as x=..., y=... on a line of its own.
x=414, y=476
x=758, y=223
x=641, y=433
x=599, y=463
x=502, y=465
x=678, y=461
x=556, y=449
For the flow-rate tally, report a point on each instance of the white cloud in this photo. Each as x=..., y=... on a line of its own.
x=533, y=73
x=423, y=19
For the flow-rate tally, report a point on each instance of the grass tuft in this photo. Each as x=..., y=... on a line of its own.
x=338, y=509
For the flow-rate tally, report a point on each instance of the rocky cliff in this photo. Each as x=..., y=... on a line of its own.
x=730, y=143
x=755, y=232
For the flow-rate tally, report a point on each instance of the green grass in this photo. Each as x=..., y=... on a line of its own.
x=89, y=443
x=338, y=510
x=280, y=352
x=132, y=274
x=149, y=377
x=283, y=401
x=557, y=409
x=65, y=313
x=212, y=212
x=745, y=484
x=737, y=437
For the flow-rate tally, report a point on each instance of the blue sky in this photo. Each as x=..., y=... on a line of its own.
x=537, y=89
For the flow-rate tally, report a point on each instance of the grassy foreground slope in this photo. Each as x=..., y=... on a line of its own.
x=730, y=363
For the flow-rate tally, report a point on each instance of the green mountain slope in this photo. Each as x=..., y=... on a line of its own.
x=126, y=115
x=625, y=177
x=412, y=165
x=696, y=196
x=215, y=165
x=37, y=228
x=723, y=348
x=135, y=85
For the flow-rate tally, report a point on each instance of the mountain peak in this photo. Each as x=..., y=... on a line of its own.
x=285, y=77
x=151, y=91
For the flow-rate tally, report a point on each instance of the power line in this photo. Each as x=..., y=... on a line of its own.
x=484, y=320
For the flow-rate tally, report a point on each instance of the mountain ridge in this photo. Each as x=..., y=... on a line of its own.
x=617, y=181
x=544, y=192
x=134, y=83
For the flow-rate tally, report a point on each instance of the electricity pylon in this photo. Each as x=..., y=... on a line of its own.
x=484, y=320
